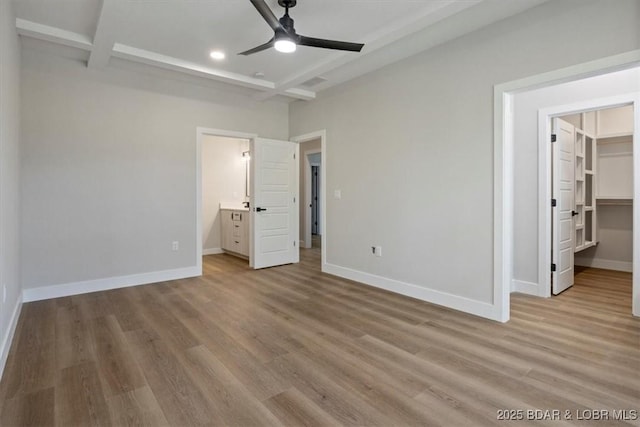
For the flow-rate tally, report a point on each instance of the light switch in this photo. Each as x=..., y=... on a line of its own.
x=337, y=194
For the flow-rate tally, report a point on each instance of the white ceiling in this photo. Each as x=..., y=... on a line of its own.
x=178, y=35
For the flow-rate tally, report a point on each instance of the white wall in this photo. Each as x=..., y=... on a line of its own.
x=223, y=181
x=411, y=148
x=109, y=169
x=9, y=178
x=526, y=106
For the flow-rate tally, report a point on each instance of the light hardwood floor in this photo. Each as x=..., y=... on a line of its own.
x=291, y=346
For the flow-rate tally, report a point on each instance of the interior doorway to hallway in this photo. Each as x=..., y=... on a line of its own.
x=313, y=222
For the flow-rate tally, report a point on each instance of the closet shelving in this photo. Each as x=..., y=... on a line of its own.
x=585, y=172
x=615, y=139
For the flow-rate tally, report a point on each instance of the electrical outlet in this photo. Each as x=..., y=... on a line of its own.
x=175, y=246
x=337, y=194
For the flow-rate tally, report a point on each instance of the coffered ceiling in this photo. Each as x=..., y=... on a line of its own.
x=178, y=35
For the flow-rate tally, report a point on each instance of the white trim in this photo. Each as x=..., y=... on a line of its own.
x=502, y=205
x=524, y=287
x=77, y=288
x=322, y=134
x=212, y=251
x=503, y=144
x=201, y=132
x=53, y=34
x=8, y=336
x=607, y=264
x=455, y=302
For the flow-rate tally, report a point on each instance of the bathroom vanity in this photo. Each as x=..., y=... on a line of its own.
x=235, y=230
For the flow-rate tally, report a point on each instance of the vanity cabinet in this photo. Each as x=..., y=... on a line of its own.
x=235, y=232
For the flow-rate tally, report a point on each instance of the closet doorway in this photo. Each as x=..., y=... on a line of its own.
x=591, y=209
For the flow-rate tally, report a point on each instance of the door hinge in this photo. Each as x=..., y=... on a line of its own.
x=294, y=200
x=553, y=137
x=553, y=267
x=294, y=243
x=554, y=202
x=294, y=156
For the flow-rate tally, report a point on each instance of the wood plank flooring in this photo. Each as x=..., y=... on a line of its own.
x=291, y=346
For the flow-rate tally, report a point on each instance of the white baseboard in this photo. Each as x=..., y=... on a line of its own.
x=456, y=302
x=212, y=251
x=76, y=288
x=8, y=336
x=607, y=264
x=525, y=287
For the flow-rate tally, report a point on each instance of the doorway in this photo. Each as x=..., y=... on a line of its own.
x=225, y=188
x=313, y=166
x=592, y=192
x=272, y=187
x=203, y=231
x=508, y=233
x=315, y=161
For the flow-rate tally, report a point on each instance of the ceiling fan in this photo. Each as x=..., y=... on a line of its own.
x=285, y=38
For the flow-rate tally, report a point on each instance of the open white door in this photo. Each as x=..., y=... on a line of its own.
x=274, y=203
x=562, y=214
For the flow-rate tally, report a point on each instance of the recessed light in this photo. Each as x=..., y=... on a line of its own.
x=217, y=55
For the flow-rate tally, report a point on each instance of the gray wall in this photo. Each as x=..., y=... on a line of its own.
x=411, y=145
x=109, y=167
x=526, y=107
x=615, y=239
x=9, y=174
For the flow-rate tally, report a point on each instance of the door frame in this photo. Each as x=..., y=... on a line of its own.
x=201, y=133
x=322, y=134
x=308, y=193
x=503, y=175
x=545, y=116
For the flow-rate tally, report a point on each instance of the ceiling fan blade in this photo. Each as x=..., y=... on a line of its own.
x=256, y=49
x=330, y=44
x=267, y=14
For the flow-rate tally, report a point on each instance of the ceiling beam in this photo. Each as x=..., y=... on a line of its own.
x=53, y=34
x=107, y=49
x=392, y=32
x=105, y=35
x=175, y=64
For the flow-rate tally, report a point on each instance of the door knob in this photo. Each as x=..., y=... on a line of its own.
x=574, y=213
x=260, y=209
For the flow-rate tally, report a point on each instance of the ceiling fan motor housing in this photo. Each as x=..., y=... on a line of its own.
x=287, y=23
x=287, y=3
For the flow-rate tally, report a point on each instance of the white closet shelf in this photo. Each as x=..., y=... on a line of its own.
x=614, y=200
x=615, y=135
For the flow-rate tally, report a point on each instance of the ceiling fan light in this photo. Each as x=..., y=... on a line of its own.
x=285, y=45
x=217, y=55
